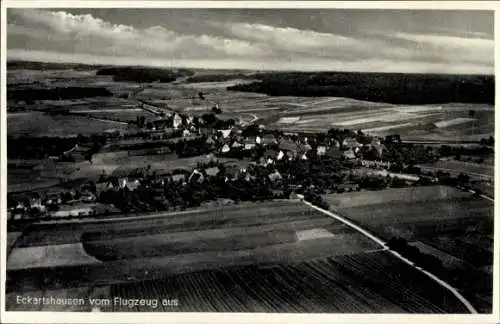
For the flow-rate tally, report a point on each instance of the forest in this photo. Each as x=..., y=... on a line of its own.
x=377, y=87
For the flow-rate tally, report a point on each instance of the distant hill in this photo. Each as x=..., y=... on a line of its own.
x=378, y=87
x=28, y=65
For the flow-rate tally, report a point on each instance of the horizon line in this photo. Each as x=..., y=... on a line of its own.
x=166, y=67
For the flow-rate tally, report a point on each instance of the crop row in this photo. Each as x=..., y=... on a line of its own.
x=362, y=283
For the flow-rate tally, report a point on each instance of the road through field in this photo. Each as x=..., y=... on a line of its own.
x=399, y=256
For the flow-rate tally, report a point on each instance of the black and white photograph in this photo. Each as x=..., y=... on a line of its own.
x=248, y=160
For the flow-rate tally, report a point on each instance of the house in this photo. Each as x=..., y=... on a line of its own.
x=225, y=132
x=210, y=141
x=349, y=155
x=249, y=177
x=88, y=197
x=404, y=176
x=74, y=212
x=225, y=148
x=205, y=131
x=179, y=177
x=161, y=123
x=210, y=158
x=268, y=139
x=306, y=147
x=303, y=151
x=288, y=145
x=196, y=176
x=249, y=143
x=275, y=176
x=321, y=150
x=123, y=182
x=390, y=139
x=333, y=153
x=237, y=144
x=351, y=143
x=212, y=172
x=271, y=153
x=347, y=187
x=186, y=133
x=101, y=187
x=133, y=185
x=268, y=161
x=177, y=121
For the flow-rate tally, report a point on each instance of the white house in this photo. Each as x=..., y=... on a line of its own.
x=225, y=148
x=349, y=154
x=275, y=176
x=196, y=176
x=350, y=143
x=177, y=121
x=236, y=144
x=225, y=132
x=85, y=211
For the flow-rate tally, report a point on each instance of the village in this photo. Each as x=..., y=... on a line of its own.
x=237, y=162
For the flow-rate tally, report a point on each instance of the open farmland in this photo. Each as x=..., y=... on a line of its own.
x=248, y=257
x=453, y=226
x=430, y=122
x=120, y=163
x=39, y=124
x=483, y=171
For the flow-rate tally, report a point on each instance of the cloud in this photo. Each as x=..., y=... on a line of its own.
x=470, y=49
x=57, y=35
x=100, y=37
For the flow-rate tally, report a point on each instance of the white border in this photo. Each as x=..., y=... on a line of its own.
x=51, y=317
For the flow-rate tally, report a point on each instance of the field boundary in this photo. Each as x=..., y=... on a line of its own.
x=379, y=241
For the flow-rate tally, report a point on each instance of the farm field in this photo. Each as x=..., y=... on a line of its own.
x=336, y=284
x=332, y=284
x=483, y=171
x=39, y=124
x=120, y=163
x=429, y=122
x=248, y=257
x=451, y=225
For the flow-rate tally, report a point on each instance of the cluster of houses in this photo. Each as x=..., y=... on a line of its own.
x=293, y=146
x=70, y=203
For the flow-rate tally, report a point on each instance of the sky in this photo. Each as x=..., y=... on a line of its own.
x=405, y=41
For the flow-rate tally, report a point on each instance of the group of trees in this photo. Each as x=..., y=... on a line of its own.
x=189, y=148
x=490, y=141
x=144, y=74
x=424, y=260
x=316, y=200
x=211, y=120
x=457, y=151
x=28, y=147
x=155, y=195
x=378, y=87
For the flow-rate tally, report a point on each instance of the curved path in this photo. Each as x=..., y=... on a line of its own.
x=374, y=238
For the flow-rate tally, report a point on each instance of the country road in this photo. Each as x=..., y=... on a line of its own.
x=379, y=241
